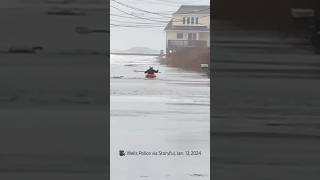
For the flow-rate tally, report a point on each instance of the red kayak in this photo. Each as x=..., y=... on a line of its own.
x=151, y=76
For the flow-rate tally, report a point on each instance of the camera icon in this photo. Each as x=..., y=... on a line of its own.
x=122, y=153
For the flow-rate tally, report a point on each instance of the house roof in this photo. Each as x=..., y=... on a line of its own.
x=190, y=9
x=170, y=27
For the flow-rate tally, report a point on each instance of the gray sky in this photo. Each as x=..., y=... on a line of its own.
x=148, y=34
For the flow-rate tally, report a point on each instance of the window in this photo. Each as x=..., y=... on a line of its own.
x=192, y=36
x=179, y=36
x=190, y=20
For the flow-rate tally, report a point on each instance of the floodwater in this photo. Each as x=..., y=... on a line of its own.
x=170, y=113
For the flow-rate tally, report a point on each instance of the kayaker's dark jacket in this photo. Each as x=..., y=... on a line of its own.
x=151, y=71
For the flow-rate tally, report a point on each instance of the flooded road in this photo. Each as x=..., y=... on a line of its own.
x=170, y=113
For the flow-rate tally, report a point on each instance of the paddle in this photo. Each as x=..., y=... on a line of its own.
x=141, y=71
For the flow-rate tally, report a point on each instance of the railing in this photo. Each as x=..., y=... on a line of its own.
x=186, y=43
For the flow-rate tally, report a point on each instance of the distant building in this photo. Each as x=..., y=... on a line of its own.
x=188, y=27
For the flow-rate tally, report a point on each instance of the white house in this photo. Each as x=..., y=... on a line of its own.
x=188, y=27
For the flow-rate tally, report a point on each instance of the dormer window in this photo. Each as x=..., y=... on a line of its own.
x=190, y=20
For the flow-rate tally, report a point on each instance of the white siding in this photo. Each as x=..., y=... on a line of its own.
x=204, y=20
x=172, y=35
x=205, y=36
x=177, y=20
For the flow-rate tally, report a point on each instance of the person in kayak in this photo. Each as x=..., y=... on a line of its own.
x=151, y=71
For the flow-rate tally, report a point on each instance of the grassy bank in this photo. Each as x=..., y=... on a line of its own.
x=189, y=58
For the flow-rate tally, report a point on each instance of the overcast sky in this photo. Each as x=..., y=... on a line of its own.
x=150, y=33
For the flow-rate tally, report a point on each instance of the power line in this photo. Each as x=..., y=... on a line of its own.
x=169, y=2
x=135, y=8
x=175, y=2
x=135, y=26
x=157, y=13
x=148, y=19
x=160, y=3
x=135, y=22
x=174, y=19
x=133, y=15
